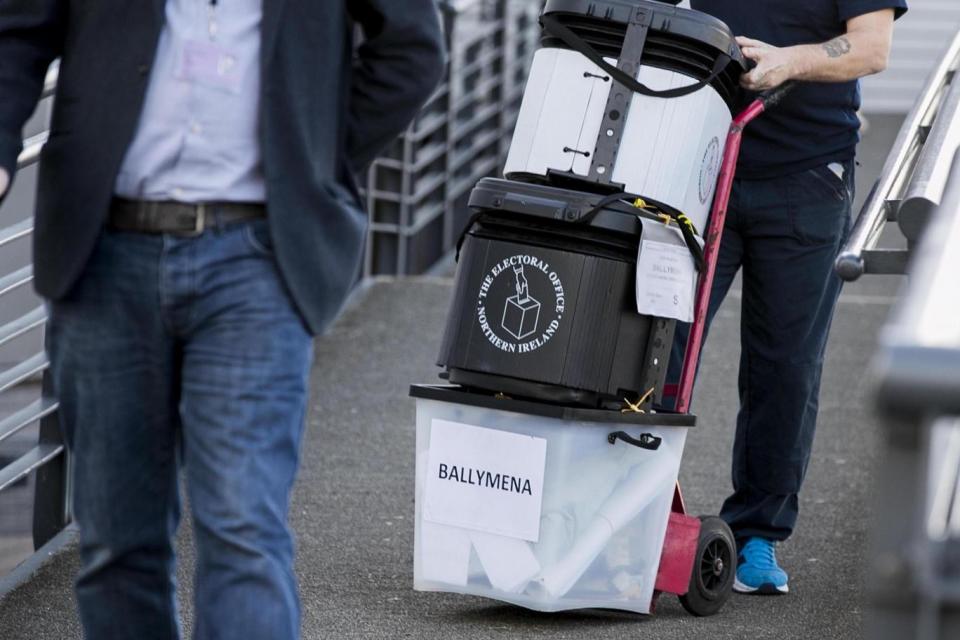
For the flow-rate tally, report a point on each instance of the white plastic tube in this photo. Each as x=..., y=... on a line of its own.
x=642, y=485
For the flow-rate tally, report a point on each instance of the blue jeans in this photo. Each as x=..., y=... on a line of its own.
x=187, y=352
x=785, y=233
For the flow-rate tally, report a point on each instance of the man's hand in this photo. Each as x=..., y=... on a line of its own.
x=775, y=65
x=861, y=51
x=4, y=181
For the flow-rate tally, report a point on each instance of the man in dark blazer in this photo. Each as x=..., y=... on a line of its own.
x=197, y=223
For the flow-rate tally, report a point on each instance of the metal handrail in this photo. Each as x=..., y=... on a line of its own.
x=30, y=414
x=933, y=167
x=19, y=278
x=943, y=511
x=919, y=367
x=15, y=232
x=47, y=460
x=25, y=323
x=50, y=81
x=31, y=150
x=915, y=540
x=897, y=170
x=33, y=146
x=29, y=462
x=24, y=371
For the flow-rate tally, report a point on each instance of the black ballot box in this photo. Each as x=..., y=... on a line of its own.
x=544, y=304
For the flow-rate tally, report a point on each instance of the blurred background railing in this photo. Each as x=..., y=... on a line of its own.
x=417, y=190
x=913, y=583
x=913, y=573
x=914, y=176
x=33, y=493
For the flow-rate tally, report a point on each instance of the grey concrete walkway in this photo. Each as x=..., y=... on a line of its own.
x=354, y=500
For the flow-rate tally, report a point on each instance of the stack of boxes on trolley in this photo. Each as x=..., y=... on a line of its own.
x=572, y=276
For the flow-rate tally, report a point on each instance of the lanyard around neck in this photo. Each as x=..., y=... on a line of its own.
x=212, y=26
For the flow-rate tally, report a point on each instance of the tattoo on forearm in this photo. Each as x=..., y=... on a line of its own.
x=837, y=47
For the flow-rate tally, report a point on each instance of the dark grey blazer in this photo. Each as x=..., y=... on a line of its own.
x=323, y=118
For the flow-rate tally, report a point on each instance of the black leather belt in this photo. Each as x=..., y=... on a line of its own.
x=179, y=218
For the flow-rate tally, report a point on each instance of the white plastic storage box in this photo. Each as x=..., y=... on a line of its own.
x=577, y=122
x=550, y=512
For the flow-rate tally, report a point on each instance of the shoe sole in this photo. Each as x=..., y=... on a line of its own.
x=766, y=589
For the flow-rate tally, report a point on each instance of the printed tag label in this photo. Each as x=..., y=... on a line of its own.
x=666, y=279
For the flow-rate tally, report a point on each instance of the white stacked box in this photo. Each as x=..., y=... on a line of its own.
x=671, y=148
x=582, y=526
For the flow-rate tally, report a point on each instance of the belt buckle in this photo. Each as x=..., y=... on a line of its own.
x=201, y=221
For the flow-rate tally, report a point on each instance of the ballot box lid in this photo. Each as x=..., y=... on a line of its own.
x=459, y=395
x=556, y=204
x=679, y=39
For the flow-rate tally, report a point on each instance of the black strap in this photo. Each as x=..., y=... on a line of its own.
x=602, y=204
x=554, y=27
x=686, y=226
x=689, y=233
x=645, y=441
x=474, y=219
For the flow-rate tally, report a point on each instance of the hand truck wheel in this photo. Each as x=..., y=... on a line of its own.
x=714, y=568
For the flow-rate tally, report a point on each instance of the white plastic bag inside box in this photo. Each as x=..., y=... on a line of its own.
x=671, y=148
x=602, y=517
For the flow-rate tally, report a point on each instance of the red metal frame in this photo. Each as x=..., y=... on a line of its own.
x=683, y=531
x=679, y=549
x=718, y=216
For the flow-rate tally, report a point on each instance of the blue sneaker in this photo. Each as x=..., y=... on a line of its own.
x=757, y=569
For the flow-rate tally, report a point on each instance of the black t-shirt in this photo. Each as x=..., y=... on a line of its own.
x=817, y=123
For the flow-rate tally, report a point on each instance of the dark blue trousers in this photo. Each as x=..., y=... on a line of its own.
x=184, y=353
x=784, y=233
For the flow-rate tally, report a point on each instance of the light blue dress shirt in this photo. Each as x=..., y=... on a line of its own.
x=197, y=139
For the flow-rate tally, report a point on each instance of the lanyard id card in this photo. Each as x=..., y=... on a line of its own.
x=210, y=65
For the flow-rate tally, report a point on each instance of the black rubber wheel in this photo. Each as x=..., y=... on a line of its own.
x=714, y=568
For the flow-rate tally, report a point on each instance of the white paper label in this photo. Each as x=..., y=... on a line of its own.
x=485, y=480
x=666, y=279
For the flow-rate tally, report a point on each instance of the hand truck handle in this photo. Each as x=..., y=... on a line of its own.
x=775, y=96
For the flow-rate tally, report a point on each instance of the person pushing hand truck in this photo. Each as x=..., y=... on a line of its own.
x=788, y=216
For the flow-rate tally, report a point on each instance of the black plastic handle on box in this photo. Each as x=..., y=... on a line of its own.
x=645, y=441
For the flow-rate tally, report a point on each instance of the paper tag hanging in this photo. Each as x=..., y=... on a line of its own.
x=666, y=280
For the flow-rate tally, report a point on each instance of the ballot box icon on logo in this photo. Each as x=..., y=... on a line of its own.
x=522, y=312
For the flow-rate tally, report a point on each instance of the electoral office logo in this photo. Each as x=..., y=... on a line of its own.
x=709, y=169
x=521, y=304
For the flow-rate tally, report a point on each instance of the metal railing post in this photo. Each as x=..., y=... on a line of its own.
x=47, y=460
x=914, y=574
x=50, y=498
x=860, y=255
